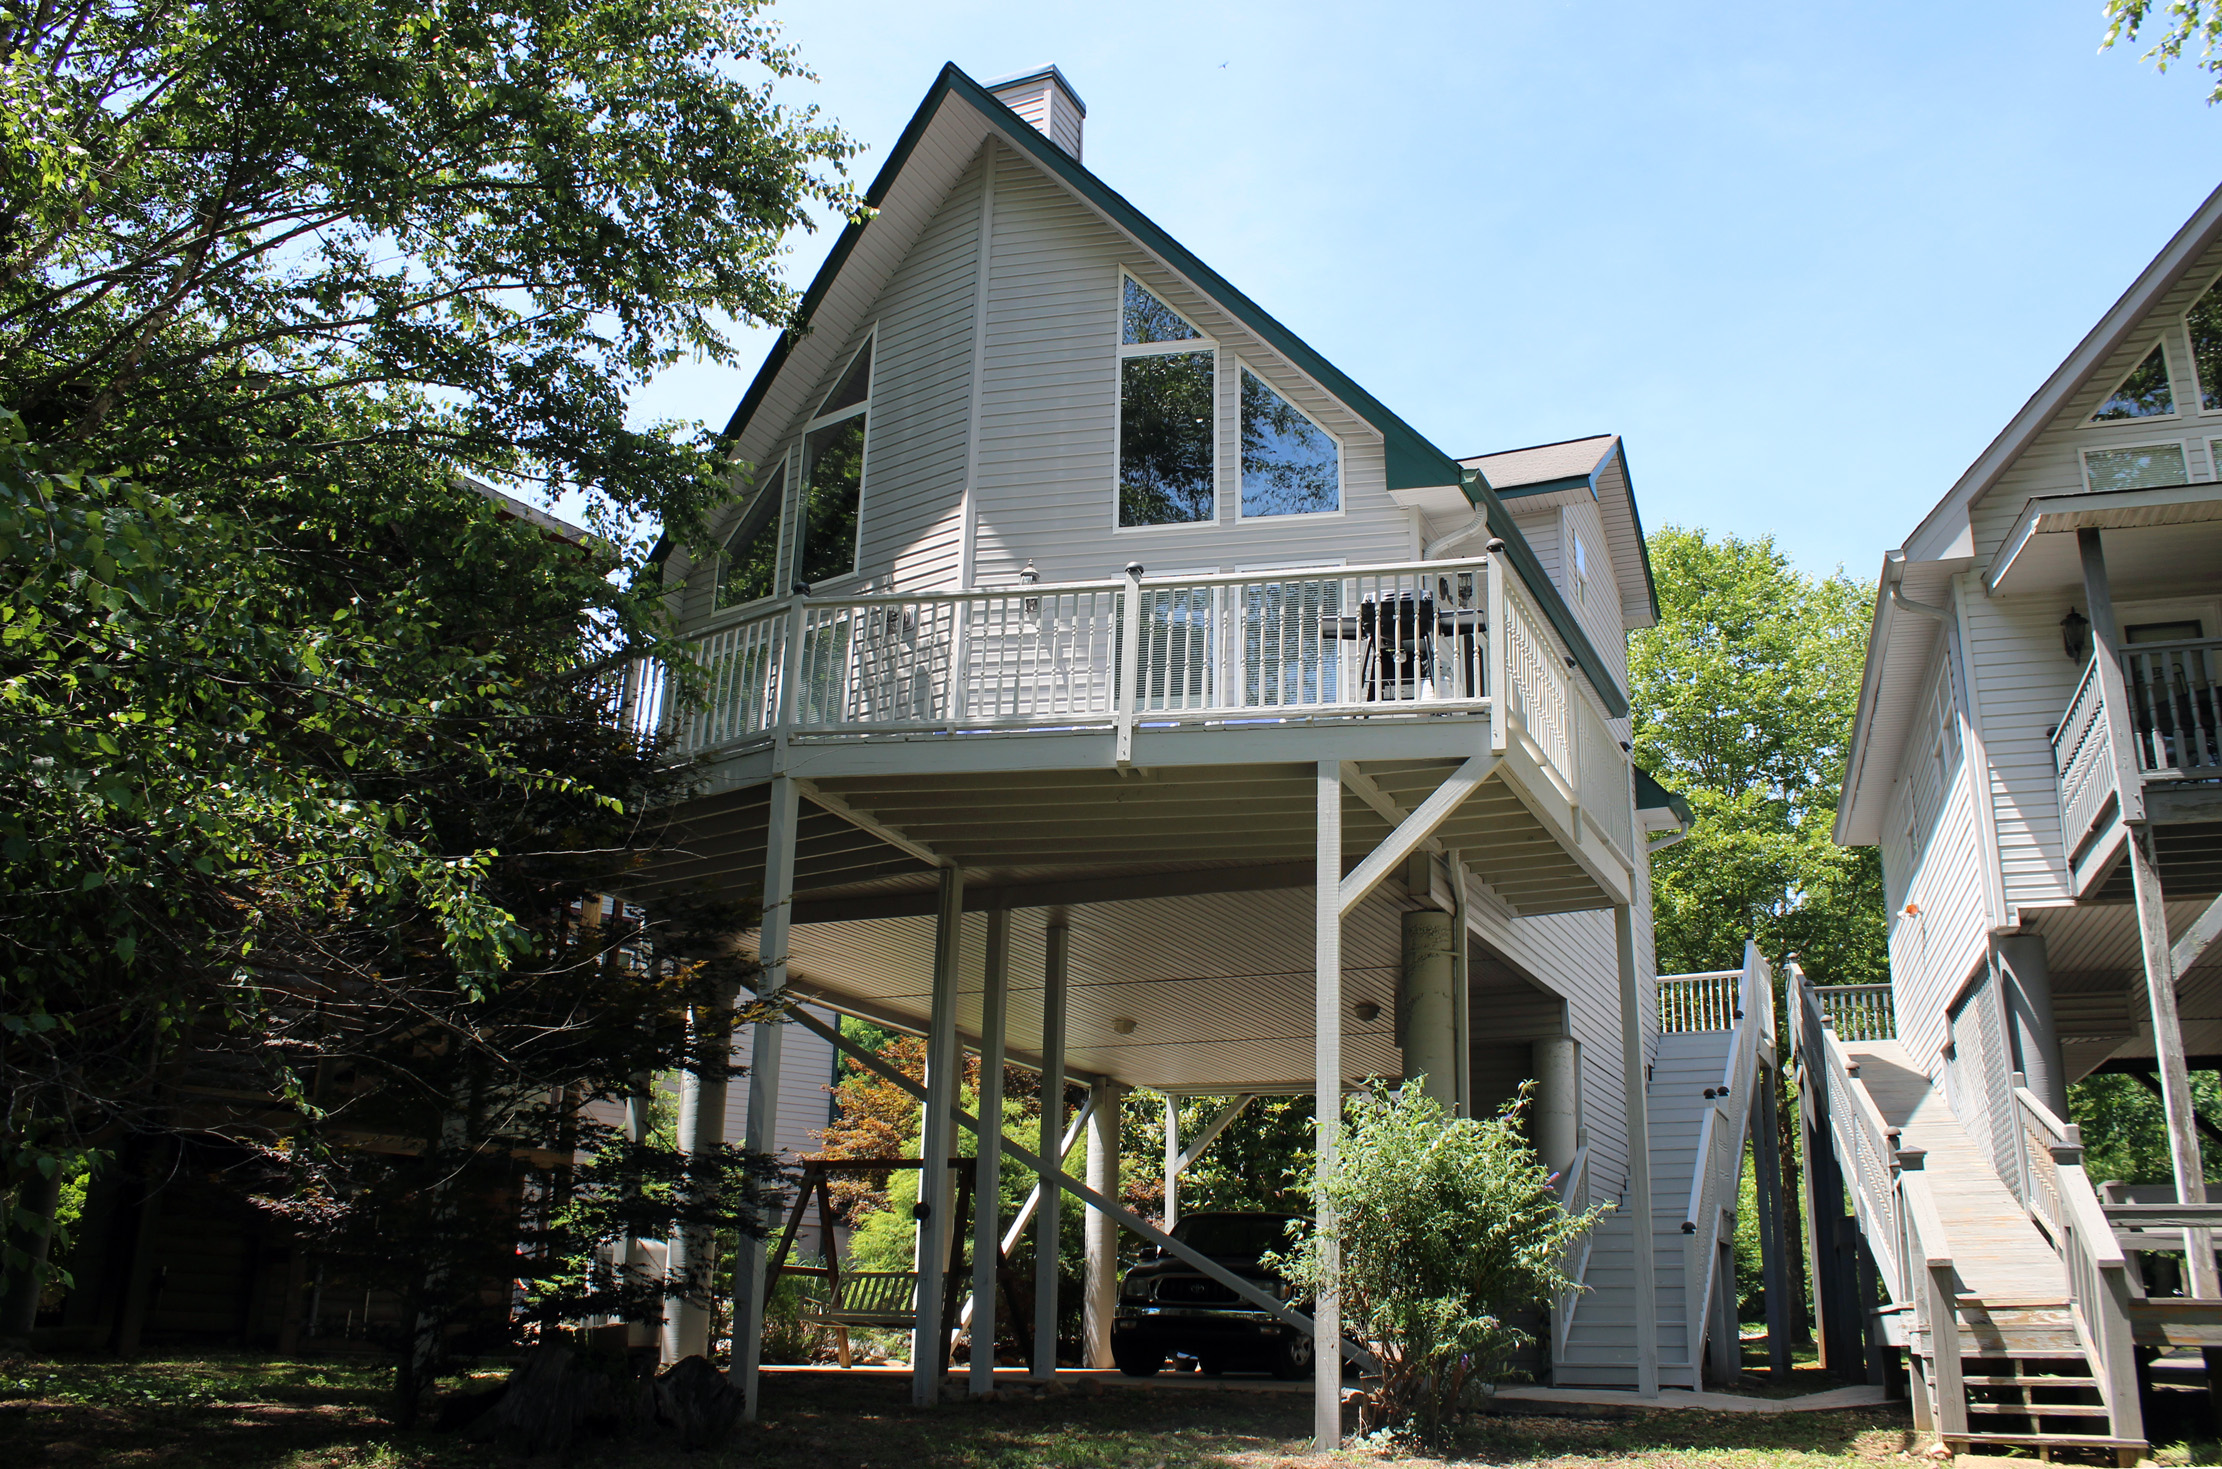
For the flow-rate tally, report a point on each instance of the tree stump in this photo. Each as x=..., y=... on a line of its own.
x=697, y=1401
x=557, y=1395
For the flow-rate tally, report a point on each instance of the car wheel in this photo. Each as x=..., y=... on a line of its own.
x=1292, y=1356
x=1138, y=1361
x=1212, y=1366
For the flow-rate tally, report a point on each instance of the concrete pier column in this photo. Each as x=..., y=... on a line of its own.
x=701, y=1130
x=944, y=1078
x=1556, y=1112
x=2027, y=988
x=1100, y=1286
x=1427, y=1005
x=1048, y=1219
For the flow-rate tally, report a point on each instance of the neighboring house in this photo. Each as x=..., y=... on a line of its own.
x=1101, y=677
x=2037, y=755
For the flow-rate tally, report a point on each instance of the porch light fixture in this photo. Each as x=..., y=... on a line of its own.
x=2075, y=635
x=1029, y=608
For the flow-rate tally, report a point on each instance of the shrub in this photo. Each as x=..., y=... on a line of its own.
x=1447, y=1228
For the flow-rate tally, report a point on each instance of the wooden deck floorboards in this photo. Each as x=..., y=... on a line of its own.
x=1999, y=1255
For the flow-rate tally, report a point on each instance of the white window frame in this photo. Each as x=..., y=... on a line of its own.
x=1342, y=452
x=2191, y=354
x=2084, y=453
x=798, y=501
x=2160, y=342
x=1573, y=556
x=778, y=526
x=1203, y=341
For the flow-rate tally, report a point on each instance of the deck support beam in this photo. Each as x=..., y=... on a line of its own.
x=1334, y=898
x=1048, y=1224
x=1639, y=1154
x=2152, y=914
x=1409, y=834
x=928, y=1345
x=761, y=1134
x=987, y=1176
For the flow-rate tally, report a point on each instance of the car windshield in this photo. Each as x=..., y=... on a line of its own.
x=1245, y=1235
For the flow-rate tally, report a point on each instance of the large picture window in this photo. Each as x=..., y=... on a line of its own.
x=1168, y=401
x=1290, y=465
x=751, y=566
x=833, y=477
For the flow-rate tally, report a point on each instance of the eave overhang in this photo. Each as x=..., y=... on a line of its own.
x=2015, y=569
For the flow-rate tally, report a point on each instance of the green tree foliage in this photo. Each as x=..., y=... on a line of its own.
x=1447, y=1229
x=2184, y=23
x=2125, y=1128
x=1744, y=695
x=271, y=277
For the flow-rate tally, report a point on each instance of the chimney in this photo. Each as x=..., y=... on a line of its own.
x=1047, y=101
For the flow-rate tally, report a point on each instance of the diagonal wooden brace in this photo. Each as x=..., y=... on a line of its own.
x=1415, y=829
x=2196, y=940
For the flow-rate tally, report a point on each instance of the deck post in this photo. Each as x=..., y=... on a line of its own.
x=1327, y=1098
x=934, y=1207
x=2152, y=915
x=1773, y=1266
x=1556, y=1117
x=1639, y=1153
x=1100, y=1235
x=1462, y=988
x=1049, y=1221
x=761, y=1134
x=987, y=1176
x=1427, y=1005
x=701, y=1130
x=1172, y=1162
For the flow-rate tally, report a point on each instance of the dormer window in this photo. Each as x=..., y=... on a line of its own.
x=833, y=476
x=751, y=566
x=2145, y=393
x=1290, y=465
x=1168, y=402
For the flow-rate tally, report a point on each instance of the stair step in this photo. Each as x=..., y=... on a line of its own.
x=2038, y=1410
x=2051, y=1440
x=2025, y=1379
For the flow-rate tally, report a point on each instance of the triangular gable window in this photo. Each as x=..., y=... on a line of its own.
x=2143, y=394
x=855, y=386
x=1143, y=318
x=2204, y=322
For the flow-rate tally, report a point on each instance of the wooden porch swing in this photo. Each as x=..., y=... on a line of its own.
x=885, y=1298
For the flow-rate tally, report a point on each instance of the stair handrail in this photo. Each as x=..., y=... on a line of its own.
x=1860, y=1134
x=2058, y=1195
x=1927, y=1251
x=1720, y=1148
x=1573, y=1196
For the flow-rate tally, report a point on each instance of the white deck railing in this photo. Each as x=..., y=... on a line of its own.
x=1720, y=1139
x=1709, y=1001
x=1573, y=1197
x=2173, y=723
x=1420, y=639
x=1858, y=1012
x=1866, y=1145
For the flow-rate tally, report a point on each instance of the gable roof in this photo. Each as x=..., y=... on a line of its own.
x=1410, y=459
x=1597, y=464
x=1900, y=642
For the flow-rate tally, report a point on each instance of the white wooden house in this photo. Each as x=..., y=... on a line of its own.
x=1101, y=679
x=2036, y=755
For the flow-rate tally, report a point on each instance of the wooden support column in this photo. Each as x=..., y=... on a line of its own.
x=2152, y=913
x=987, y=1176
x=762, y=1132
x=1633, y=1095
x=1766, y=1158
x=1327, y=1100
x=935, y=1227
x=701, y=1131
x=1048, y=1223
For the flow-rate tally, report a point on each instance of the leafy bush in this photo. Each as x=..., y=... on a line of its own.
x=1447, y=1229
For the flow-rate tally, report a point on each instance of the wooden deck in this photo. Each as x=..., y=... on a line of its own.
x=2001, y=1259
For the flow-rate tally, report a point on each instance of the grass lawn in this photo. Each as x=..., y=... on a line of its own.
x=238, y=1412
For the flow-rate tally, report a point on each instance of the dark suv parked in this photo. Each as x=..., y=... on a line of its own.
x=1167, y=1307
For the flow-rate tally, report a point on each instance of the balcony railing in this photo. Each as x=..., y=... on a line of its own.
x=1447, y=639
x=2173, y=725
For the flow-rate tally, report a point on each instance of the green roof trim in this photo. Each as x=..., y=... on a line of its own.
x=1411, y=460
x=1651, y=796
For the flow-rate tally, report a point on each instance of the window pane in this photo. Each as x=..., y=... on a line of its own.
x=2205, y=323
x=854, y=388
x=2143, y=394
x=1165, y=411
x=1289, y=466
x=1144, y=318
x=751, y=566
x=835, y=484
x=2131, y=469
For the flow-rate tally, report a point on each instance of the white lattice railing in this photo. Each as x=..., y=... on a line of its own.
x=1424, y=638
x=1720, y=1140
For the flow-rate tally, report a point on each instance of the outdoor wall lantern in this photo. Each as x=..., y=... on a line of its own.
x=2075, y=635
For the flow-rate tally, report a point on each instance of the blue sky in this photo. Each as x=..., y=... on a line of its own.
x=1806, y=259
